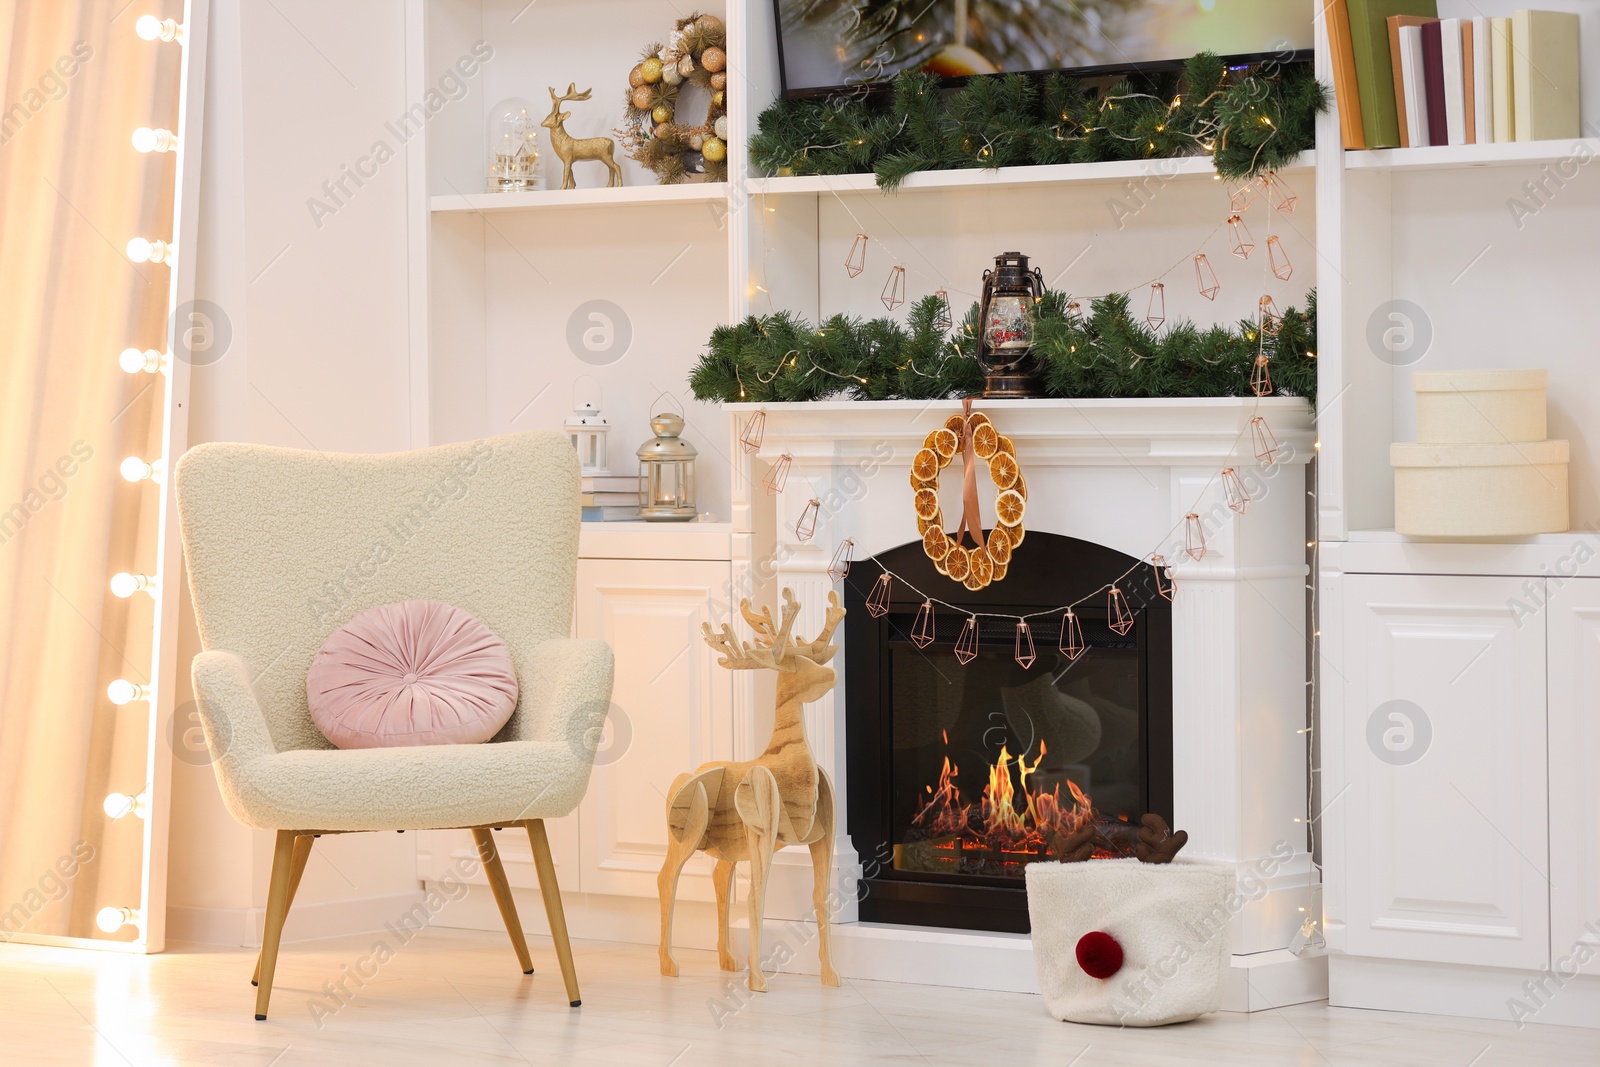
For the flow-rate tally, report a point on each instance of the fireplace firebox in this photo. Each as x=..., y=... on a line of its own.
x=961, y=775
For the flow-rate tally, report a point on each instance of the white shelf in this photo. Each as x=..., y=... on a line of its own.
x=1459, y=157
x=686, y=193
x=1197, y=168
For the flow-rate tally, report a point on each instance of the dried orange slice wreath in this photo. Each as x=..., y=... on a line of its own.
x=988, y=563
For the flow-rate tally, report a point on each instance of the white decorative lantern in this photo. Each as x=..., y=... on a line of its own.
x=587, y=430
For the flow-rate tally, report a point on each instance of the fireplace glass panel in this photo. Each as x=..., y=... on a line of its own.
x=991, y=762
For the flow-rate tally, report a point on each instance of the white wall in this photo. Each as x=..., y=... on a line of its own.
x=318, y=360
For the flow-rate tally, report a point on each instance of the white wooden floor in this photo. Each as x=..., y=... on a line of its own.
x=456, y=997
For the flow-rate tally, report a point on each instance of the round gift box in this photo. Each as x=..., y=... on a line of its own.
x=1480, y=490
x=1491, y=407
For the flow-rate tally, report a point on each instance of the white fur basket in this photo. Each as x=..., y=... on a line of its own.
x=1171, y=921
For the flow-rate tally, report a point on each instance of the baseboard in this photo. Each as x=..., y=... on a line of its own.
x=242, y=927
x=914, y=955
x=1262, y=981
x=590, y=917
x=1465, y=992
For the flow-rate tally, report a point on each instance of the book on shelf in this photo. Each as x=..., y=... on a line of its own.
x=1482, y=94
x=1453, y=81
x=591, y=500
x=1544, y=47
x=1433, y=83
x=1415, y=96
x=1371, y=49
x=612, y=513
x=1501, y=82
x=1393, y=24
x=1345, y=84
x=611, y=483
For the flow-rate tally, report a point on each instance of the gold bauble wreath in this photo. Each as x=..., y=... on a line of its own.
x=697, y=55
x=987, y=562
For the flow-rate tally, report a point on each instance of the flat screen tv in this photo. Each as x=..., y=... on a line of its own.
x=826, y=45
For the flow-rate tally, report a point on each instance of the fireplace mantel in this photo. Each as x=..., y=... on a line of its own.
x=1123, y=473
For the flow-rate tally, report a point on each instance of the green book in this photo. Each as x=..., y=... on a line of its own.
x=1369, y=34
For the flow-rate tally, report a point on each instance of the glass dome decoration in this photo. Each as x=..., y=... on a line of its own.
x=512, y=139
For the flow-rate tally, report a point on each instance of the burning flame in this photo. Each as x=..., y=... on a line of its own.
x=1013, y=822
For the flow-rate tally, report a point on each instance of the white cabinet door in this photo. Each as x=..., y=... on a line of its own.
x=1574, y=612
x=671, y=710
x=1445, y=827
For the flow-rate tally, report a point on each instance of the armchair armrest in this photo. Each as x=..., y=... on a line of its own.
x=235, y=727
x=566, y=691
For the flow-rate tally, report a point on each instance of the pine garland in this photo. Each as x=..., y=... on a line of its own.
x=1108, y=353
x=1249, y=121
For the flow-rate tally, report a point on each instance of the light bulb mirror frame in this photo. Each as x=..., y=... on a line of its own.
x=150, y=909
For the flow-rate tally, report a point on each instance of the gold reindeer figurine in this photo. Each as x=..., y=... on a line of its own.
x=747, y=809
x=571, y=149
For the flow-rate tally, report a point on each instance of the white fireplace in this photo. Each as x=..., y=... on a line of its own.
x=1119, y=473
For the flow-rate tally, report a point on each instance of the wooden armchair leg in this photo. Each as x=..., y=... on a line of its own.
x=552, y=905
x=277, y=911
x=490, y=855
x=302, y=853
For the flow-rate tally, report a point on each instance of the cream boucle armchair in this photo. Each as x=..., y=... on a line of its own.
x=284, y=546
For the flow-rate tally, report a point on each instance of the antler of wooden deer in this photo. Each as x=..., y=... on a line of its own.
x=771, y=650
x=774, y=649
x=819, y=649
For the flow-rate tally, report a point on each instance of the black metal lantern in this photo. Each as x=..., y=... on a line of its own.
x=1005, y=346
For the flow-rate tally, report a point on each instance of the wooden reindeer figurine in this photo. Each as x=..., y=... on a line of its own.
x=570, y=148
x=747, y=809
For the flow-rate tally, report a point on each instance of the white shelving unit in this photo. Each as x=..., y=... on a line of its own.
x=1455, y=258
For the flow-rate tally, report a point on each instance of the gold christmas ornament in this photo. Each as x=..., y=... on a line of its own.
x=677, y=151
x=974, y=437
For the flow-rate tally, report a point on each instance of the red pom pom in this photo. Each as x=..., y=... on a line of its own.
x=1099, y=954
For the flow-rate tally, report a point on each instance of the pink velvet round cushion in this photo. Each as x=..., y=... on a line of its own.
x=414, y=673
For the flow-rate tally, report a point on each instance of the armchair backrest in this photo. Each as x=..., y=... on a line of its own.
x=284, y=546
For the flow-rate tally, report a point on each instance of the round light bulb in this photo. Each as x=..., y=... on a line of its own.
x=122, y=692
x=124, y=585
x=148, y=361
x=148, y=27
x=139, y=250
x=113, y=919
x=121, y=805
x=135, y=469
x=147, y=140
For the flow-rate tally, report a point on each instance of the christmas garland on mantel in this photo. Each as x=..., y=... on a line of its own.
x=1108, y=353
x=1250, y=120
